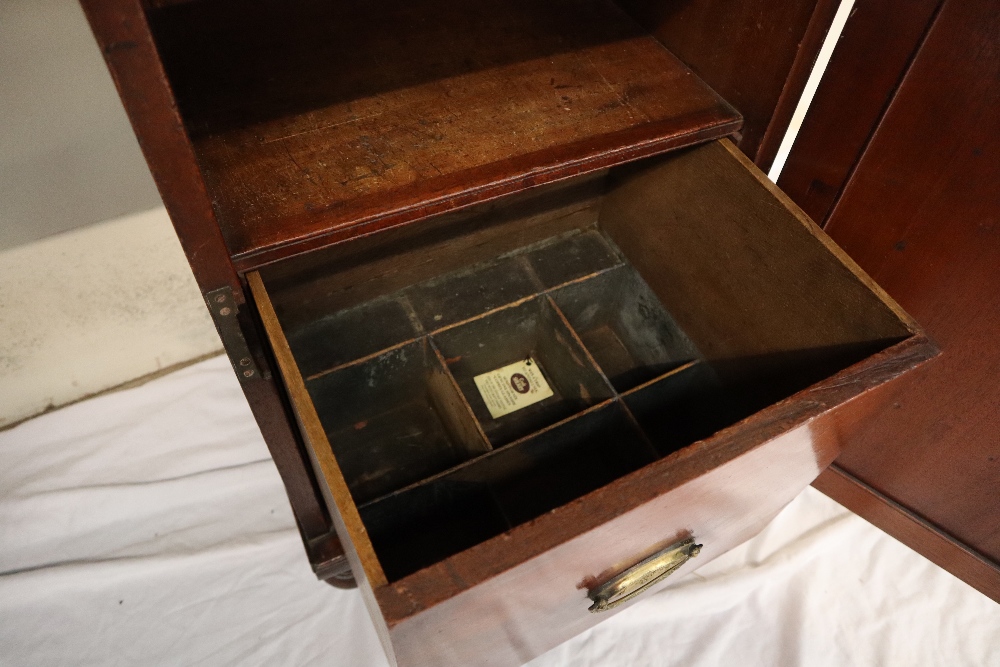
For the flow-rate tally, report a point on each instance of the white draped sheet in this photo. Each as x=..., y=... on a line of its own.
x=149, y=527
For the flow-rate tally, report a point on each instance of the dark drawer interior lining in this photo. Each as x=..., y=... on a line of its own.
x=432, y=306
x=517, y=483
x=499, y=466
x=669, y=410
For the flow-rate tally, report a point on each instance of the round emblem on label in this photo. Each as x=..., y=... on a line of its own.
x=520, y=383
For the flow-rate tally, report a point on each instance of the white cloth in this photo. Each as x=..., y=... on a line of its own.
x=149, y=527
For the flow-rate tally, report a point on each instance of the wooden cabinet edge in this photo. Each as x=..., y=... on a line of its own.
x=917, y=533
x=357, y=546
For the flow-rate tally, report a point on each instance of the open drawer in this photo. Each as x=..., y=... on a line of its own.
x=512, y=405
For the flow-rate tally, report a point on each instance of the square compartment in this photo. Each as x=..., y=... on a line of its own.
x=351, y=334
x=464, y=294
x=533, y=329
x=513, y=485
x=681, y=407
x=551, y=468
x=415, y=528
x=571, y=258
x=394, y=419
x=625, y=327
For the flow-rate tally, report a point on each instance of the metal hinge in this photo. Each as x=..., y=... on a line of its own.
x=222, y=305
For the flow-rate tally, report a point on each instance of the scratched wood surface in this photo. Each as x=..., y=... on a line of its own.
x=323, y=115
x=874, y=50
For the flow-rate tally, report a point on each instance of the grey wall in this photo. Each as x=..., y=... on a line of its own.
x=68, y=157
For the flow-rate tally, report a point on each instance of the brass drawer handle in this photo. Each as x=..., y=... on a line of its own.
x=642, y=575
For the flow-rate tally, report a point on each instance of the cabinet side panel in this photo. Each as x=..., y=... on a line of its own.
x=123, y=34
x=920, y=214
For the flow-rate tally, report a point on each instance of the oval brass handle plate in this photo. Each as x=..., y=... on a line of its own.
x=642, y=575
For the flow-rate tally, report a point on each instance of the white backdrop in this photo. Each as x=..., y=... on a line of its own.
x=149, y=527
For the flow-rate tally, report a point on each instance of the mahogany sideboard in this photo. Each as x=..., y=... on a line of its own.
x=388, y=206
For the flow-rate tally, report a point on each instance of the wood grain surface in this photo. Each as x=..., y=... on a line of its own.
x=912, y=530
x=875, y=48
x=920, y=214
x=128, y=48
x=523, y=592
x=325, y=115
x=741, y=269
x=339, y=499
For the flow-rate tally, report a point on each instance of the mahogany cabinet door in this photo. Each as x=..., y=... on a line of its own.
x=912, y=195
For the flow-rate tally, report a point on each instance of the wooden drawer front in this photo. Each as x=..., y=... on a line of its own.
x=529, y=609
x=697, y=334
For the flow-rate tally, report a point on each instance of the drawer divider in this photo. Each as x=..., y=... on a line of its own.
x=466, y=417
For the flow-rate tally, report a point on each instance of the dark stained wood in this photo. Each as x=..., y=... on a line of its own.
x=920, y=213
x=346, y=126
x=321, y=116
x=875, y=48
x=123, y=35
x=343, y=509
x=798, y=76
x=351, y=272
x=267, y=403
x=756, y=54
x=160, y=4
x=534, y=579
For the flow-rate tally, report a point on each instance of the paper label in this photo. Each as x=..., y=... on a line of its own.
x=512, y=387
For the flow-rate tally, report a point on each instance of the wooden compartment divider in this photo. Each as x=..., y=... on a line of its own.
x=531, y=330
x=624, y=326
x=445, y=500
x=520, y=481
x=395, y=417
